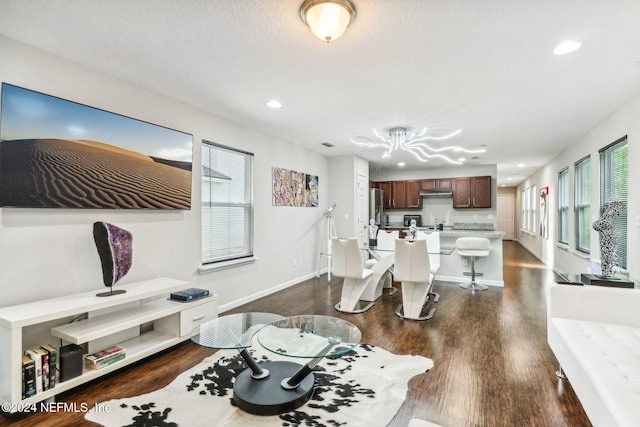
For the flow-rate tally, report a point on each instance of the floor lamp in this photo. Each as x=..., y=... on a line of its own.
x=331, y=232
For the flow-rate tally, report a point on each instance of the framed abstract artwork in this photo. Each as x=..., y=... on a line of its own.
x=292, y=188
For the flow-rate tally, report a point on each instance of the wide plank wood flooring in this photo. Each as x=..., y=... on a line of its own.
x=493, y=366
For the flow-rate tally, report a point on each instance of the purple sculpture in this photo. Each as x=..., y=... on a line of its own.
x=115, y=247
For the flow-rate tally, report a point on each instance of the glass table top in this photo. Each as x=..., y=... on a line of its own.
x=233, y=331
x=309, y=336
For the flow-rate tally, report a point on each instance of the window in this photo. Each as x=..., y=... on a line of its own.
x=227, y=203
x=563, y=206
x=533, y=206
x=614, y=176
x=582, y=204
x=525, y=202
x=529, y=209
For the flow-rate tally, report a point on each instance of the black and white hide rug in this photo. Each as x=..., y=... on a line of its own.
x=364, y=387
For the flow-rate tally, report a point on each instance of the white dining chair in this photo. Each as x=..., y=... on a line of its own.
x=412, y=269
x=433, y=247
x=347, y=263
x=385, y=243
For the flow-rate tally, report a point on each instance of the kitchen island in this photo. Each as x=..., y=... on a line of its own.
x=452, y=267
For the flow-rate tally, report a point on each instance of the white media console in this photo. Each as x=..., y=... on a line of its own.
x=143, y=321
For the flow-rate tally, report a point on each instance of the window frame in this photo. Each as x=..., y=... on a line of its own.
x=240, y=228
x=610, y=175
x=563, y=205
x=533, y=208
x=582, y=204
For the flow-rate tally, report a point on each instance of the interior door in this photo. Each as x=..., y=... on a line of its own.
x=505, y=214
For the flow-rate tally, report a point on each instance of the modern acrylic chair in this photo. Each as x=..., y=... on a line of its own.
x=412, y=269
x=386, y=244
x=347, y=263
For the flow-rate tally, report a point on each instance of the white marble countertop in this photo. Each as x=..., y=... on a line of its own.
x=479, y=233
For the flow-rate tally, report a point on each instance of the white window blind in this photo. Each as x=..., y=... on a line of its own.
x=563, y=206
x=227, y=203
x=582, y=204
x=529, y=209
x=534, y=208
x=614, y=176
x=525, y=202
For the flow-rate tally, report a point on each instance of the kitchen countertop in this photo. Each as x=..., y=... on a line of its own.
x=479, y=233
x=490, y=234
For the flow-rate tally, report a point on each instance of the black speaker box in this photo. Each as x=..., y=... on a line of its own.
x=70, y=361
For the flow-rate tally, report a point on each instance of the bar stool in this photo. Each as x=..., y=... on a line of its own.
x=473, y=247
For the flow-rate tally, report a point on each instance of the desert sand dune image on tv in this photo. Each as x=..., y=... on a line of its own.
x=86, y=174
x=149, y=167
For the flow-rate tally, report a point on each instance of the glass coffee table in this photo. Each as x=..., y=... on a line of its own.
x=274, y=387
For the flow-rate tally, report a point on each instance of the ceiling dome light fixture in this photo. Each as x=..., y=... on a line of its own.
x=397, y=138
x=567, y=47
x=328, y=19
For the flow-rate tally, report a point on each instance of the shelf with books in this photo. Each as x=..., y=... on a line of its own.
x=157, y=324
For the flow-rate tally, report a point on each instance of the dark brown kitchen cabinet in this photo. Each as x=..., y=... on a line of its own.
x=398, y=194
x=387, y=198
x=472, y=192
x=436, y=185
x=413, y=199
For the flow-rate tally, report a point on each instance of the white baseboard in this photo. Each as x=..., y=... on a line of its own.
x=462, y=279
x=249, y=298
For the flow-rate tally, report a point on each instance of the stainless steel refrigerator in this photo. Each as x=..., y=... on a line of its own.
x=376, y=206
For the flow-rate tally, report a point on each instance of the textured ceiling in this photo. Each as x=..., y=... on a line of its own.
x=482, y=66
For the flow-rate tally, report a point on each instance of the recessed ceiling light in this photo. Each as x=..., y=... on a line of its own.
x=274, y=104
x=401, y=164
x=509, y=179
x=567, y=47
x=462, y=159
x=521, y=165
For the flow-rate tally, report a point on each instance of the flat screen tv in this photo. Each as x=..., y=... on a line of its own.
x=56, y=153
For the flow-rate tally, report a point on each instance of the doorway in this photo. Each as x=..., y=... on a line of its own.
x=505, y=213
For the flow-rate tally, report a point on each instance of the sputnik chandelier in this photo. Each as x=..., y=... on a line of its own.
x=397, y=138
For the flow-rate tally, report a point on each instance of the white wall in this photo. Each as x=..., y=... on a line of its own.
x=47, y=253
x=566, y=259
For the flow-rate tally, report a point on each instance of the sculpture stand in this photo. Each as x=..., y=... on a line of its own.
x=111, y=292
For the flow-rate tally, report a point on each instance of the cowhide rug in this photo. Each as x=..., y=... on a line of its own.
x=364, y=387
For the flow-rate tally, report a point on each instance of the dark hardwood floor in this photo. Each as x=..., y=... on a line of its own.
x=493, y=366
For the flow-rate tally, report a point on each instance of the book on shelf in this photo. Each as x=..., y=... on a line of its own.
x=44, y=356
x=105, y=357
x=28, y=377
x=37, y=360
x=53, y=363
x=103, y=363
x=189, y=294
